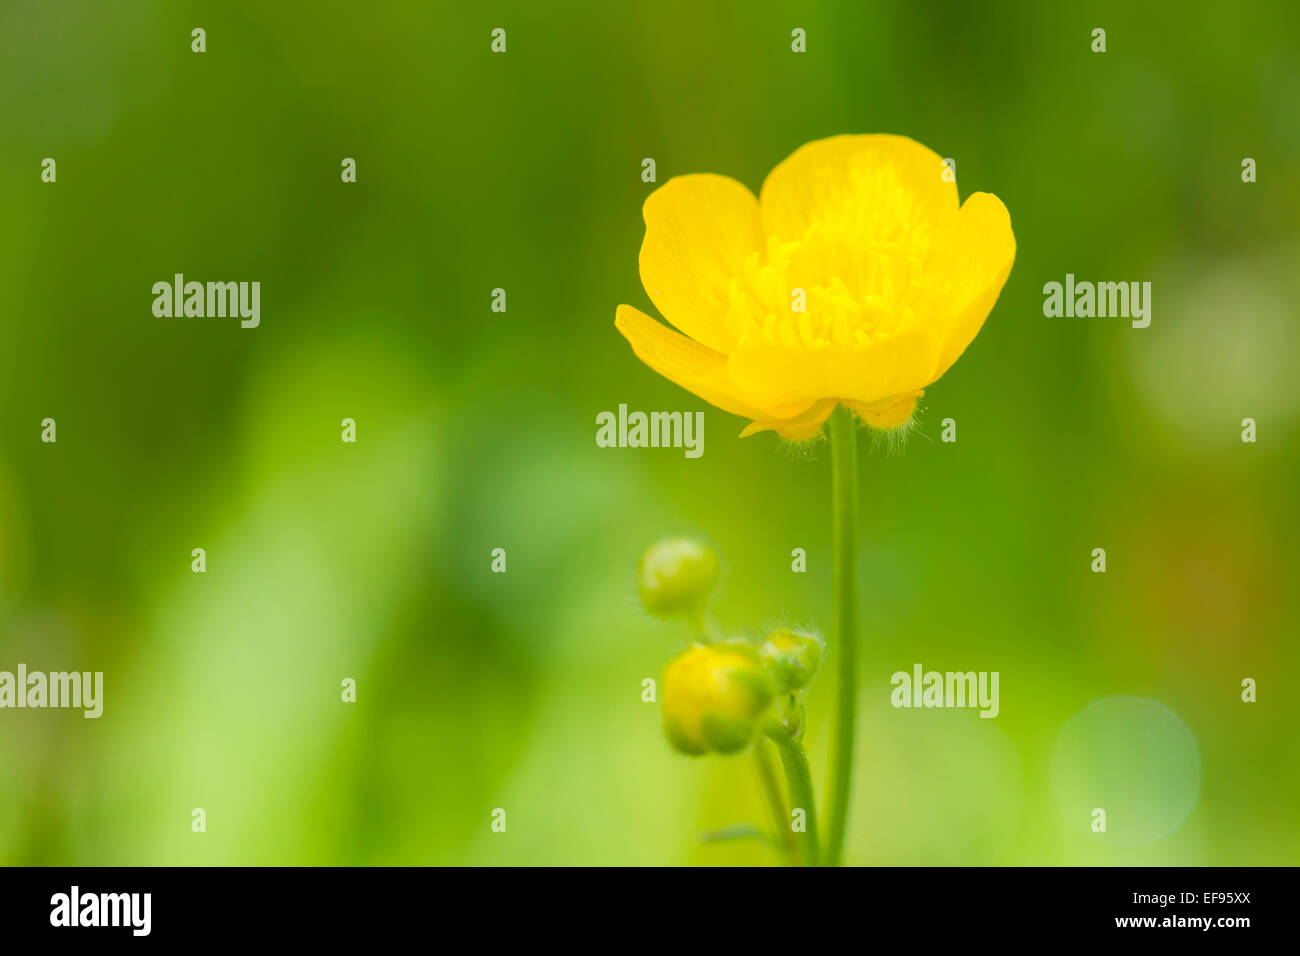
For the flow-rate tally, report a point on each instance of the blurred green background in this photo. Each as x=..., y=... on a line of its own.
x=476, y=431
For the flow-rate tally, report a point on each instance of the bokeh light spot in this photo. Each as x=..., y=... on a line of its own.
x=1133, y=758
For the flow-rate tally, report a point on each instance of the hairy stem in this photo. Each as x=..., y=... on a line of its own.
x=798, y=780
x=844, y=623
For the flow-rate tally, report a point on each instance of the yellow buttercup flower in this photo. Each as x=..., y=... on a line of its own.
x=855, y=277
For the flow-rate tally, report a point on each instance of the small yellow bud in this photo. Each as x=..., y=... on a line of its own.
x=676, y=576
x=791, y=657
x=714, y=697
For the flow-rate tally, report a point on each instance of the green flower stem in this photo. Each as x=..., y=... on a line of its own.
x=775, y=801
x=844, y=622
x=798, y=779
x=705, y=627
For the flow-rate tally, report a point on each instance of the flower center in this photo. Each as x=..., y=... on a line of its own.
x=818, y=293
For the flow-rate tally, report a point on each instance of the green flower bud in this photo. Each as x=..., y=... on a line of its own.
x=791, y=657
x=676, y=577
x=714, y=697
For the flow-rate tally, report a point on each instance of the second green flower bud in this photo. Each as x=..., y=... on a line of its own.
x=791, y=657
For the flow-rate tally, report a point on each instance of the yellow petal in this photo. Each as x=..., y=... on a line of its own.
x=772, y=376
x=800, y=427
x=699, y=232
x=849, y=197
x=966, y=274
x=688, y=363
